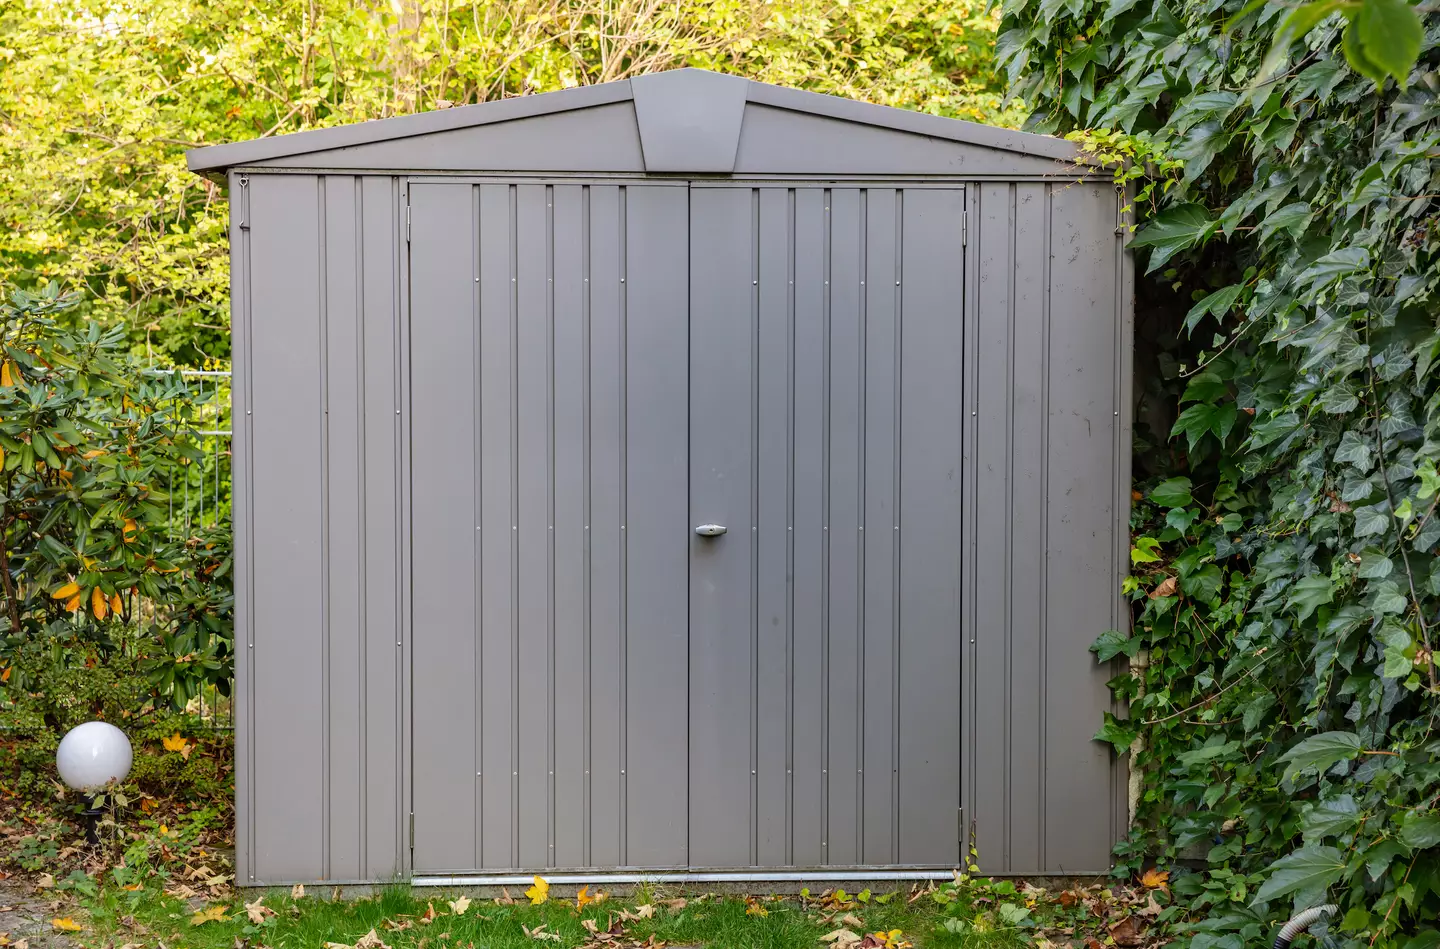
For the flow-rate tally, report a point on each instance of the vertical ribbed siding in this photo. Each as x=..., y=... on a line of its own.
x=319, y=745
x=529, y=423
x=797, y=415
x=1048, y=458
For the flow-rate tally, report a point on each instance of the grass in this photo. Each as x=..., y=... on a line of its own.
x=406, y=919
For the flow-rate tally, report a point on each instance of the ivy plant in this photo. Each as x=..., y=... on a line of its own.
x=1285, y=162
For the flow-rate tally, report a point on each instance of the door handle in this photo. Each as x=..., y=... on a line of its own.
x=710, y=530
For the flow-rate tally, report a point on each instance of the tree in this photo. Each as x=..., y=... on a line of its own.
x=99, y=99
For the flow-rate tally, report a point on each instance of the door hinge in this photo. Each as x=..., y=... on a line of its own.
x=407, y=219
x=960, y=825
x=965, y=229
x=412, y=830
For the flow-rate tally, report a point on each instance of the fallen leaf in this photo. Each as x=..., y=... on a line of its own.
x=45, y=882
x=1166, y=588
x=504, y=899
x=539, y=933
x=675, y=905
x=370, y=940
x=753, y=907
x=1069, y=898
x=1151, y=907
x=583, y=898
x=539, y=892
x=132, y=887
x=429, y=916
x=1155, y=878
x=841, y=937
x=850, y=919
x=458, y=907
x=1125, y=932
x=399, y=925
x=297, y=891
x=66, y=924
x=212, y=914
x=257, y=911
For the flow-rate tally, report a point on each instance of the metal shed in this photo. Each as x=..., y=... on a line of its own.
x=498, y=364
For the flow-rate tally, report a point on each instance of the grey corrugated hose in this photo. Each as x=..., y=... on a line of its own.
x=1302, y=921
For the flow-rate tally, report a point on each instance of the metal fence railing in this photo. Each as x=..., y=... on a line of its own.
x=200, y=493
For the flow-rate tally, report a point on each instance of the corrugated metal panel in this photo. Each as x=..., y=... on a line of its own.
x=807, y=726
x=549, y=400
x=1048, y=509
x=319, y=735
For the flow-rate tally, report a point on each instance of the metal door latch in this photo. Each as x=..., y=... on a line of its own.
x=710, y=530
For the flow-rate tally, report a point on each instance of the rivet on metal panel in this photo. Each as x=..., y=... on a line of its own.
x=752, y=770
x=247, y=411
x=974, y=412
x=1117, y=413
x=622, y=770
x=515, y=773
x=622, y=279
x=477, y=279
x=862, y=283
x=397, y=411
x=477, y=774
x=862, y=528
x=754, y=283
x=897, y=283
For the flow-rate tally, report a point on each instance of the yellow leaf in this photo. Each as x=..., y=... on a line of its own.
x=7, y=378
x=73, y=604
x=583, y=898
x=176, y=743
x=116, y=604
x=66, y=924
x=130, y=528
x=2, y=457
x=98, y=604
x=538, y=893
x=66, y=592
x=166, y=830
x=212, y=914
x=753, y=908
x=92, y=453
x=5, y=674
x=458, y=907
x=1155, y=878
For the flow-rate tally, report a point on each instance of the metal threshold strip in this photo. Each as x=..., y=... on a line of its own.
x=683, y=876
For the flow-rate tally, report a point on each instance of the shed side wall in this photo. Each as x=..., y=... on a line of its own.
x=1046, y=501
x=318, y=740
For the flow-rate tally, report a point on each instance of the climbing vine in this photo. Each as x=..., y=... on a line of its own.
x=1285, y=161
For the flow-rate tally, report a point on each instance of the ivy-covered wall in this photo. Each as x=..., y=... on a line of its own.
x=1286, y=585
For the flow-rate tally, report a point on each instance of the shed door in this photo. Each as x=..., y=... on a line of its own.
x=825, y=425
x=597, y=370
x=549, y=526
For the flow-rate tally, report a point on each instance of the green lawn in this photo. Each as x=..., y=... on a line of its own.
x=401, y=918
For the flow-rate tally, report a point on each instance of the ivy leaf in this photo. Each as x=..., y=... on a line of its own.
x=1372, y=520
x=1353, y=450
x=1379, y=857
x=1172, y=492
x=1321, y=752
x=1328, y=818
x=1216, y=304
x=1391, y=34
x=1173, y=230
x=1421, y=830
x=1117, y=732
x=1209, y=387
x=1292, y=219
x=1112, y=643
x=1335, y=265
x=1308, y=868
x=1310, y=592
x=1204, y=584
x=1374, y=565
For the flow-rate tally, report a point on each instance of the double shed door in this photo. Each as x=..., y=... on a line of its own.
x=596, y=370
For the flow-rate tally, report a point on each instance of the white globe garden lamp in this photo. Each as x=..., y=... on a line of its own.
x=90, y=757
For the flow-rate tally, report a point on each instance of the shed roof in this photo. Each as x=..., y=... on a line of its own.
x=685, y=121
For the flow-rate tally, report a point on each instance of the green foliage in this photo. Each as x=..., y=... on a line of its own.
x=99, y=99
x=91, y=568
x=1286, y=586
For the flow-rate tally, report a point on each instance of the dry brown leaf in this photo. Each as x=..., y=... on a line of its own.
x=399, y=925
x=257, y=911
x=297, y=891
x=458, y=907
x=841, y=937
x=44, y=882
x=1151, y=907
x=850, y=919
x=429, y=916
x=1166, y=588
x=539, y=933
x=676, y=905
x=370, y=940
x=504, y=899
x=1126, y=933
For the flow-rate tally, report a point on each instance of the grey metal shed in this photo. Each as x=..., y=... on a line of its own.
x=498, y=363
